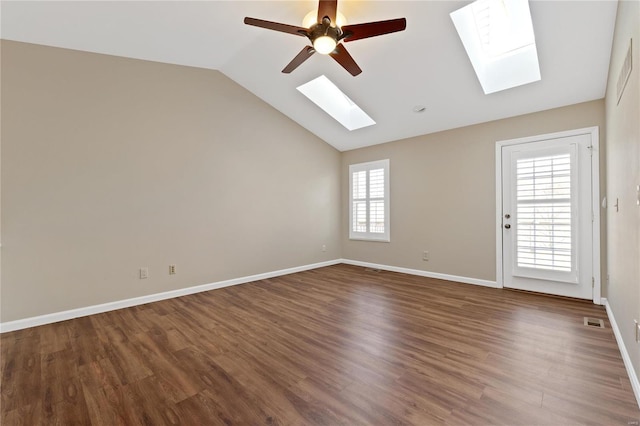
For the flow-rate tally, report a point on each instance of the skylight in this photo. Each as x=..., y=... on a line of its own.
x=322, y=92
x=498, y=37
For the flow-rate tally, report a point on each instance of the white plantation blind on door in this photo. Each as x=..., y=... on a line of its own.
x=369, y=201
x=544, y=213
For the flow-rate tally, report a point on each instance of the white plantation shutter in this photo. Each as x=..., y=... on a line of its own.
x=359, y=197
x=376, y=201
x=545, y=205
x=369, y=201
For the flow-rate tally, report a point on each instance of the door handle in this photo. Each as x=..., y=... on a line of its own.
x=507, y=226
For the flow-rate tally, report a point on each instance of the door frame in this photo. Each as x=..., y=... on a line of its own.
x=595, y=200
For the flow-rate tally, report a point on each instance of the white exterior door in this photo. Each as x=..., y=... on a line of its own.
x=546, y=223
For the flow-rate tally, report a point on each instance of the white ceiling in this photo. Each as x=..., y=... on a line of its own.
x=424, y=65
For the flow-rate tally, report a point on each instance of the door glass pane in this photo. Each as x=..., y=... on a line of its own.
x=544, y=228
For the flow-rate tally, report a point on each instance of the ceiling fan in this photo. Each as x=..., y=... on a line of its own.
x=325, y=35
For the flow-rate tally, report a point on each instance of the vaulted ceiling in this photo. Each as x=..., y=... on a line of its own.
x=424, y=65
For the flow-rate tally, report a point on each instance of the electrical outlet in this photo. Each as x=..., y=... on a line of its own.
x=425, y=255
x=144, y=273
x=324, y=248
x=172, y=269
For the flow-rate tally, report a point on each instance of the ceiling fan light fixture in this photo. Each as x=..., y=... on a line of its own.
x=324, y=44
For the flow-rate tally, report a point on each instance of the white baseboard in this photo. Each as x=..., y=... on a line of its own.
x=466, y=280
x=633, y=377
x=112, y=306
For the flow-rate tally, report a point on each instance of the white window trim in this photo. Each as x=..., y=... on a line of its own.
x=370, y=236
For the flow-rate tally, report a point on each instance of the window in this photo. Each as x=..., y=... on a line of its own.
x=369, y=201
x=499, y=40
x=324, y=93
x=544, y=201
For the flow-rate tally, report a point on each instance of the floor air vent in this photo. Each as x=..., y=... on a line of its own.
x=593, y=322
x=372, y=270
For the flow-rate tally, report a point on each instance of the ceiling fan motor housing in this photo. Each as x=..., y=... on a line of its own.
x=324, y=28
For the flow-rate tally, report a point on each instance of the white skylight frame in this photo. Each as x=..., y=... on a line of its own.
x=322, y=92
x=499, y=39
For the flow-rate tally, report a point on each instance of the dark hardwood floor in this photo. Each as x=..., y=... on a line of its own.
x=340, y=345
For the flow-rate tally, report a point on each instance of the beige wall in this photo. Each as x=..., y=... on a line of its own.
x=110, y=164
x=443, y=192
x=623, y=174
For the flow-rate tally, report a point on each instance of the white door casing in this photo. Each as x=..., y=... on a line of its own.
x=547, y=214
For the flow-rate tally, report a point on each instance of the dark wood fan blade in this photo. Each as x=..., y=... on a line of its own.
x=300, y=58
x=276, y=26
x=344, y=58
x=327, y=8
x=372, y=29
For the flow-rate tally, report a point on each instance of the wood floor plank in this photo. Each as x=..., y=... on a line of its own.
x=26, y=415
x=341, y=345
x=21, y=373
x=205, y=408
x=103, y=410
x=316, y=393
